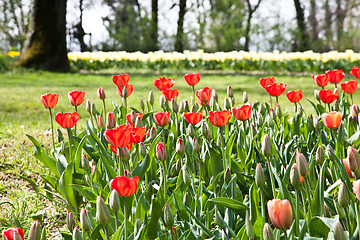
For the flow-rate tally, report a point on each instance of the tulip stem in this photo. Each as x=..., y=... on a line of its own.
x=347, y=220
x=352, y=100
x=75, y=123
x=329, y=107
x=52, y=130
x=307, y=187
x=164, y=177
x=89, y=235
x=125, y=223
x=285, y=234
x=106, y=233
x=262, y=208
x=297, y=212
x=120, y=168
x=277, y=100
x=272, y=180
x=116, y=222
x=69, y=134
x=270, y=100
x=193, y=90
x=223, y=148
x=104, y=111
x=125, y=104
x=163, y=134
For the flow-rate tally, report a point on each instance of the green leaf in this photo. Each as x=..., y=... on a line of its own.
x=155, y=214
x=79, y=150
x=318, y=198
x=86, y=192
x=233, y=204
x=320, y=226
x=141, y=169
x=66, y=180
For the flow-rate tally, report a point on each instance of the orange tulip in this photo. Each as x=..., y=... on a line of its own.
x=280, y=213
x=347, y=167
x=171, y=94
x=355, y=71
x=356, y=188
x=124, y=186
x=332, y=119
x=294, y=96
x=49, y=100
x=267, y=81
x=129, y=89
x=76, y=98
x=193, y=118
x=120, y=136
x=321, y=79
x=349, y=87
x=121, y=80
x=192, y=78
x=164, y=84
x=204, y=96
x=275, y=89
x=162, y=118
x=219, y=118
x=67, y=120
x=242, y=113
x=138, y=134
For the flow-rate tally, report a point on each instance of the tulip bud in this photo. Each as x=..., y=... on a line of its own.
x=278, y=111
x=339, y=232
x=193, y=108
x=186, y=105
x=174, y=233
x=114, y=201
x=174, y=106
x=85, y=222
x=168, y=216
x=299, y=110
x=227, y=104
x=101, y=93
x=294, y=176
x=205, y=130
x=93, y=109
x=161, y=153
x=191, y=130
x=180, y=146
x=125, y=154
x=354, y=160
x=102, y=212
x=260, y=120
x=229, y=91
x=329, y=151
x=227, y=177
x=253, y=130
x=76, y=235
x=182, y=107
x=142, y=104
x=354, y=112
x=302, y=164
x=249, y=226
x=267, y=232
x=232, y=101
x=100, y=122
x=125, y=92
x=85, y=162
x=343, y=196
x=259, y=176
x=138, y=122
x=316, y=122
x=196, y=146
x=88, y=106
x=214, y=94
x=137, y=226
x=326, y=211
x=187, y=199
x=151, y=98
x=266, y=146
x=316, y=94
x=70, y=221
x=186, y=177
x=111, y=122
x=173, y=170
x=219, y=219
x=270, y=121
x=320, y=155
x=339, y=209
x=35, y=231
x=337, y=105
x=272, y=114
x=212, y=103
x=143, y=150
x=152, y=132
x=162, y=102
x=245, y=97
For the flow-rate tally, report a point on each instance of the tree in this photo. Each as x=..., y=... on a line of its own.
x=179, y=41
x=45, y=47
x=153, y=41
x=303, y=39
x=251, y=11
x=314, y=31
x=79, y=32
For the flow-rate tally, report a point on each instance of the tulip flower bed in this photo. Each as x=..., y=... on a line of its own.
x=198, y=169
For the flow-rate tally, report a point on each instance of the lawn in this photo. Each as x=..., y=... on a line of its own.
x=21, y=112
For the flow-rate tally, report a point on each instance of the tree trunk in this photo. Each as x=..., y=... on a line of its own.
x=45, y=47
x=300, y=18
x=327, y=26
x=248, y=23
x=79, y=33
x=179, y=42
x=153, y=44
x=313, y=21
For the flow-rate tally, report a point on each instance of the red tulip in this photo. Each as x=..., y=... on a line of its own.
x=349, y=87
x=327, y=96
x=49, y=100
x=192, y=78
x=124, y=186
x=128, y=117
x=242, y=113
x=356, y=72
x=163, y=83
x=138, y=134
x=129, y=89
x=321, y=79
x=121, y=80
x=12, y=234
x=101, y=93
x=76, y=97
x=171, y=94
x=275, y=89
x=115, y=149
x=161, y=153
x=294, y=96
x=67, y=120
x=335, y=76
x=331, y=119
x=204, y=96
x=120, y=136
x=193, y=118
x=162, y=118
x=280, y=213
x=267, y=81
x=220, y=118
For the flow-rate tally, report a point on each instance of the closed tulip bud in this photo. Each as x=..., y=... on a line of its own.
x=114, y=201
x=229, y=91
x=253, y=130
x=138, y=122
x=227, y=104
x=339, y=232
x=168, y=216
x=320, y=155
x=162, y=101
x=111, y=122
x=85, y=162
x=212, y=102
x=214, y=94
x=354, y=112
x=266, y=146
x=337, y=105
x=329, y=151
x=259, y=176
x=180, y=146
x=302, y=164
x=35, y=231
x=173, y=170
x=100, y=122
x=85, y=222
x=151, y=98
x=270, y=121
x=232, y=101
x=182, y=107
x=187, y=199
x=60, y=135
x=268, y=232
x=70, y=221
x=186, y=105
x=101, y=93
x=227, y=177
x=326, y=211
x=93, y=109
x=142, y=104
x=125, y=92
x=191, y=130
x=88, y=106
x=261, y=108
x=102, y=212
x=76, y=235
x=174, y=233
x=133, y=116
x=125, y=154
x=219, y=219
x=278, y=111
x=316, y=122
x=143, y=150
x=343, y=196
x=248, y=226
x=196, y=146
x=193, y=108
x=137, y=226
x=260, y=120
x=204, y=129
x=245, y=97
x=354, y=160
x=316, y=94
x=339, y=209
x=174, y=106
x=186, y=176
x=152, y=132
x=299, y=110
x=294, y=176
x=161, y=153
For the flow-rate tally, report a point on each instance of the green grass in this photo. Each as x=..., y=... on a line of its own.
x=21, y=112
